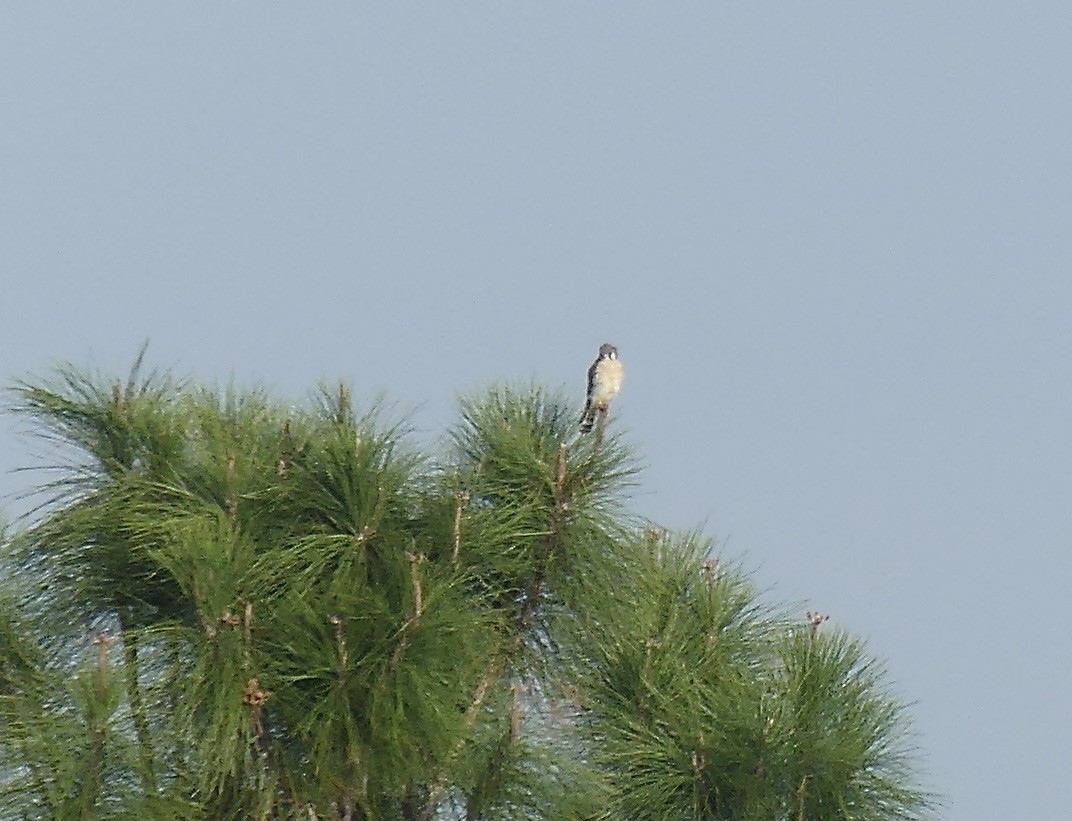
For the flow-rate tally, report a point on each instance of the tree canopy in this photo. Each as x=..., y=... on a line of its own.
x=227, y=606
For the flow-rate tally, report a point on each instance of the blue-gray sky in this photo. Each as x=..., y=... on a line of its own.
x=831, y=241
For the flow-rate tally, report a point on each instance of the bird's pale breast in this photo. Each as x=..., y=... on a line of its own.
x=609, y=377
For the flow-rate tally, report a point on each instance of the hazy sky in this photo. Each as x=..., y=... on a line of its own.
x=831, y=241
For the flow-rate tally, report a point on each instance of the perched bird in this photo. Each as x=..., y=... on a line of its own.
x=605, y=379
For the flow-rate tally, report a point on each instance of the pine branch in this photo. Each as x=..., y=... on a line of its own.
x=400, y=610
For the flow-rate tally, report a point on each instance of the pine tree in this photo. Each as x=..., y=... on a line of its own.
x=228, y=607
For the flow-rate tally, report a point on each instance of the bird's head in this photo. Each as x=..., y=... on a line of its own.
x=608, y=351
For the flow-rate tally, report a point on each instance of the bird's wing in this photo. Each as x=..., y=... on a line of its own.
x=591, y=379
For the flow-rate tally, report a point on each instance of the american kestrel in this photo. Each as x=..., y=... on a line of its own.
x=605, y=379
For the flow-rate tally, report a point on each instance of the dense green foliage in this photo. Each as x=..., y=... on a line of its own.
x=227, y=607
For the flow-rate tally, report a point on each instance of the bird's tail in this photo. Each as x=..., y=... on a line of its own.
x=588, y=418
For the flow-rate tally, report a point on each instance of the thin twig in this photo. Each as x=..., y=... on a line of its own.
x=232, y=495
x=435, y=792
x=247, y=625
x=459, y=506
x=414, y=621
x=418, y=608
x=601, y=425
x=199, y=600
x=699, y=764
x=415, y=561
x=137, y=710
x=369, y=529
x=515, y=712
x=102, y=640
x=282, y=470
x=94, y=767
x=801, y=795
x=535, y=588
x=340, y=644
